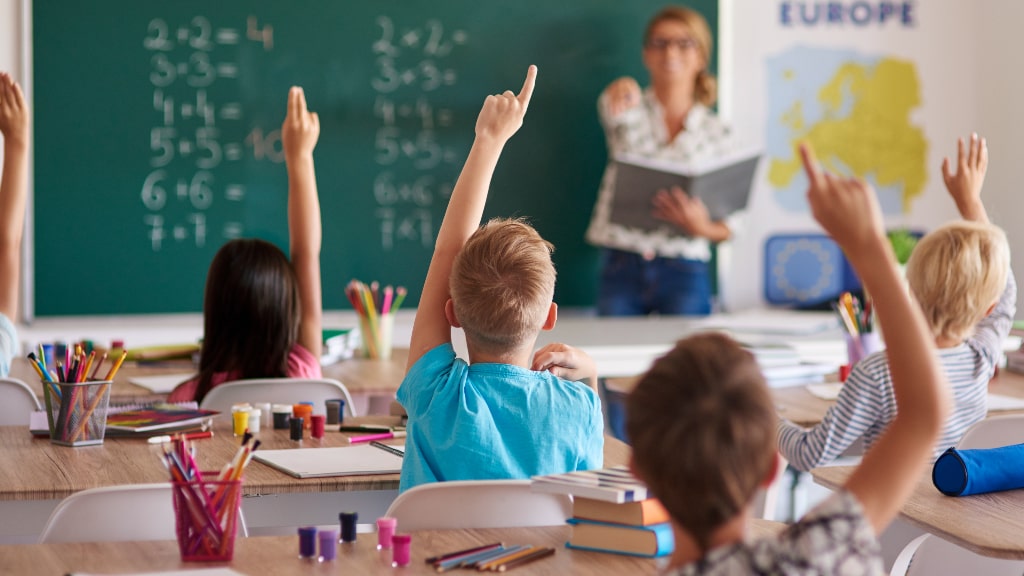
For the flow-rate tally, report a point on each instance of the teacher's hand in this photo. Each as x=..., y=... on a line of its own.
x=621, y=95
x=676, y=208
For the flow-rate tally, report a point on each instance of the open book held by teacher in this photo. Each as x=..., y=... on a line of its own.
x=723, y=184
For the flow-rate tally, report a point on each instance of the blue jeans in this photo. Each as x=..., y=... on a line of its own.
x=633, y=286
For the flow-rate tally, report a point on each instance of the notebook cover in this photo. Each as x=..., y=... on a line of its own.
x=157, y=417
x=338, y=461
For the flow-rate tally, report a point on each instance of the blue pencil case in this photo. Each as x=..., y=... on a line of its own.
x=968, y=472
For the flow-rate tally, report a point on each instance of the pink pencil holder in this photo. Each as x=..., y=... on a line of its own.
x=206, y=518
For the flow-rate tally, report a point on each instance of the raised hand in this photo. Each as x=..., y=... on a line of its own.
x=965, y=184
x=13, y=112
x=845, y=207
x=621, y=95
x=566, y=362
x=502, y=114
x=301, y=128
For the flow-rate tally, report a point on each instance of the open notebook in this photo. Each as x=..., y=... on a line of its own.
x=342, y=461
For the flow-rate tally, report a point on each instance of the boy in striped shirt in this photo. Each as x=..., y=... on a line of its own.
x=960, y=276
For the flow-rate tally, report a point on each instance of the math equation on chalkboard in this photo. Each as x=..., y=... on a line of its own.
x=200, y=129
x=411, y=65
x=195, y=133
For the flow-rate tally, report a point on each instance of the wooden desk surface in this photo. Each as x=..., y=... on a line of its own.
x=45, y=471
x=278, y=555
x=801, y=407
x=987, y=524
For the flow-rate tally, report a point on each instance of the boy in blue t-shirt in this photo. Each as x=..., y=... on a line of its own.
x=13, y=190
x=501, y=415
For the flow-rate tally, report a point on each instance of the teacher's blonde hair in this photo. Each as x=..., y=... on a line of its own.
x=705, y=89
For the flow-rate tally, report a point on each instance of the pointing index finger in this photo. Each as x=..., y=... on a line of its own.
x=528, y=84
x=810, y=163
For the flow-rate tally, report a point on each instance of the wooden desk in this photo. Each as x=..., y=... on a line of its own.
x=801, y=407
x=46, y=473
x=987, y=524
x=277, y=555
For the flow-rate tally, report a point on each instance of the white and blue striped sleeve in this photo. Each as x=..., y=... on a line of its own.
x=862, y=403
x=993, y=329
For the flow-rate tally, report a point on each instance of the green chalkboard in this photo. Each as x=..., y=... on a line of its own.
x=157, y=134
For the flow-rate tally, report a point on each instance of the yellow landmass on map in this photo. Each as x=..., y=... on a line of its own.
x=876, y=136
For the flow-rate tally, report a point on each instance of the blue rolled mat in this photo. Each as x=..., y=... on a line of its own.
x=967, y=472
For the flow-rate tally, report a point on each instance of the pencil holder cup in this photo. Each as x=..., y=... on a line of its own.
x=76, y=412
x=860, y=346
x=206, y=518
x=376, y=336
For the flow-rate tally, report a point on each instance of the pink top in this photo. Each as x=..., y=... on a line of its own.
x=301, y=364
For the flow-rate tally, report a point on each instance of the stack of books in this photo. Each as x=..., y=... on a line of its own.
x=612, y=512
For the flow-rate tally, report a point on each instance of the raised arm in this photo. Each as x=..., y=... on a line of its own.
x=964, y=187
x=299, y=135
x=500, y=118
x=848, y=210
x=13, y=190
x=965, y=184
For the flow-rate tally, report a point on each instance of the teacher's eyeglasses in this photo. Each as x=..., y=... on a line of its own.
x=683, y=44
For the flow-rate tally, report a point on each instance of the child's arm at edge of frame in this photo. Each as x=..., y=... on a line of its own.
x=500, y=118
x=14, y=125
x=890, y=471
x=299, y=135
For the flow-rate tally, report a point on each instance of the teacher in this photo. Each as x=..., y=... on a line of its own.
x=665, y=271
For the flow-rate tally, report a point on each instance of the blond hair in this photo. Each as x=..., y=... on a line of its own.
x=705, y=89
x=956, y=273
x=502, y=285
x=702, y=425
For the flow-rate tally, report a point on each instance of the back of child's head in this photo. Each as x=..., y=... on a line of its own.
x=502, y=285
x=250, y=312
x=956, y=273
x=702, y=425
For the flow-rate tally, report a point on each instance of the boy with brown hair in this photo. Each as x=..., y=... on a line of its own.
x=14, y=119
x=501, y=415
x=702, y=425
x=960, y=276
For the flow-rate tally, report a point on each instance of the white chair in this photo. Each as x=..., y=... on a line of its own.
x=929, y=555
x=994, y=432
x=276, y=391
x=17, y=401
x=478, y=504
x=117, y=514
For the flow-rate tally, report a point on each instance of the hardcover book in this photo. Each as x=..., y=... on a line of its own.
x=723, y=185
x=640, y=513
x=651, y=541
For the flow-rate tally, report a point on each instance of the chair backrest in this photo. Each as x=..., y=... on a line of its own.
x=929, y=555
x=994, y=432
x=478, y=504
x=113, y=513
x=17, y=401
x=276, y=391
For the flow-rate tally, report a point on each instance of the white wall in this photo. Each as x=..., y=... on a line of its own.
x=1001, y=89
